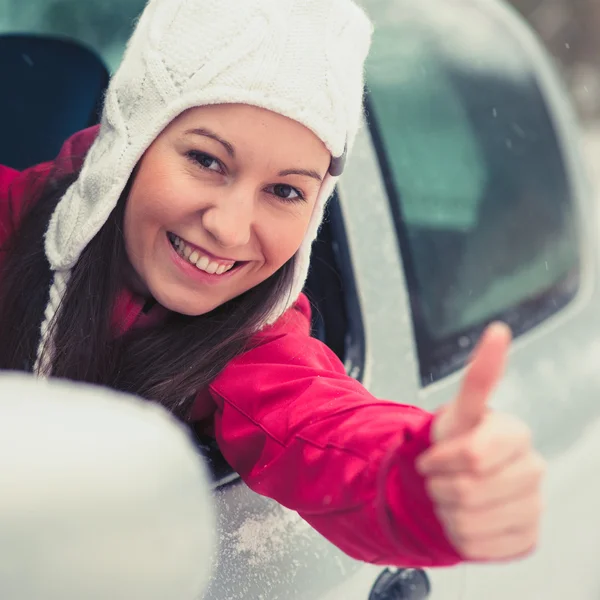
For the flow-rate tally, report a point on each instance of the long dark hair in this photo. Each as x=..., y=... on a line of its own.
x=168, y=363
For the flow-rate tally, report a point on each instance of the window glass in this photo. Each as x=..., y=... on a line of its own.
x=475, y=175
x=104, y=26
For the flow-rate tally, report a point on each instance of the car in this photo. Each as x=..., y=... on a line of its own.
x=465, y=201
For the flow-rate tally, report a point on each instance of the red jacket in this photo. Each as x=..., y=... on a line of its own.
x=295, y=427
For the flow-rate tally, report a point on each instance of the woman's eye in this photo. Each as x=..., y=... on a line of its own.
x=286, y=192
x=206, y=161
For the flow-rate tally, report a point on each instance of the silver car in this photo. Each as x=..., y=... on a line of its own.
x=465, y=201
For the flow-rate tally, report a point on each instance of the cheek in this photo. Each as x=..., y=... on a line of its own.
x=139, y=225
x=150, y=209
x=281, y=240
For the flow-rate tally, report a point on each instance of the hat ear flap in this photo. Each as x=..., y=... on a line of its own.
x=302, y=258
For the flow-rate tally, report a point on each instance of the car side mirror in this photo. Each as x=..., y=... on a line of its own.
x=102, y=497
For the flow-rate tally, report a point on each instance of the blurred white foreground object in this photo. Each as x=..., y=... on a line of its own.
x=102, y=497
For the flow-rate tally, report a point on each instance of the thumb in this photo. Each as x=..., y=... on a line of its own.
x=483, y=374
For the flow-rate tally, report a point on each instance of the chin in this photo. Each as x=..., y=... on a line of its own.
x=190, y=308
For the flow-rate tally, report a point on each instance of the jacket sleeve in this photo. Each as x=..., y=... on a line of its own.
x=299, y=430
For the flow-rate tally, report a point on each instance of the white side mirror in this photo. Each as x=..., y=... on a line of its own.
x=102, y=497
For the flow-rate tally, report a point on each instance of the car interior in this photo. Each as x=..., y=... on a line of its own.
x=57, y=88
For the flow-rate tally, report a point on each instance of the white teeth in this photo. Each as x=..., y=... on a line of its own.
x=201, y=262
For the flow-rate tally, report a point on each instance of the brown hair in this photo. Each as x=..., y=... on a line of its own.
x=168, y=363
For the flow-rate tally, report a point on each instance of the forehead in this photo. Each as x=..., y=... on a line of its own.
x=247, y=126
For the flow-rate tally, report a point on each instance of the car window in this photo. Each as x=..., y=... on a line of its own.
x=475, y=176
x=104, y=26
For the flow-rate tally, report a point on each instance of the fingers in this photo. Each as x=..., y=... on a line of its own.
x=505, y=547
x=498, y=440
x=464, y=524
x=483, y=374
x=471, y=492
x=486, y=488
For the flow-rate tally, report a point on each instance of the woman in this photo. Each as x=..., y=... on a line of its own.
x=175, y=241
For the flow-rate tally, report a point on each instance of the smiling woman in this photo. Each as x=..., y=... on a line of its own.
x=211, y=189
x=164, y=254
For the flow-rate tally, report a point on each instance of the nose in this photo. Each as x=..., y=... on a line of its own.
x=229, y=220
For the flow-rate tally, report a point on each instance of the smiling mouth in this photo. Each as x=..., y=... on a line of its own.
x=202, y=262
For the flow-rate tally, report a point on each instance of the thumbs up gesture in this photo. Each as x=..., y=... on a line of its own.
x=481, y=471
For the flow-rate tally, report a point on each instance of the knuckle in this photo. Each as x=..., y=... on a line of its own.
x=462, y=526
x=530, y=538
x=528, y=550
x=524, y=432
x=469, y=549
x=474, y=458
x=534, y=471
x=520, y=432
x=475, y=380
x=538, y=466
x=527, y=514
x=462, y=490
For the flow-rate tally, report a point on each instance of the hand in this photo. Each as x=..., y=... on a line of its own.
x=482, y=472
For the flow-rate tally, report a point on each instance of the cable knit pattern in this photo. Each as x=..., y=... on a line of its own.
x=303, y=59
x=45, y=351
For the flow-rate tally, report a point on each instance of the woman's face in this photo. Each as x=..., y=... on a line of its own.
x=221, y=200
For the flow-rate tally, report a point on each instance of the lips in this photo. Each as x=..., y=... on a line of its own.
x=198, y=259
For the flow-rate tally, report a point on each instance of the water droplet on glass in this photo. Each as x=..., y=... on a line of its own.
x=464, y=342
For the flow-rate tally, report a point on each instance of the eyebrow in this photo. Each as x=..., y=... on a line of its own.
x=212, y=135
x=231, y=151
x=303, y=172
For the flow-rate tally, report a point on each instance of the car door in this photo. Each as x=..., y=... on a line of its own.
x=491, y=217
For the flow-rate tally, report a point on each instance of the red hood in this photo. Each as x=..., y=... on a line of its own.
x=74, y=150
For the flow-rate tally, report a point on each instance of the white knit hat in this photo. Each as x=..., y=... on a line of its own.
x=303, y=59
